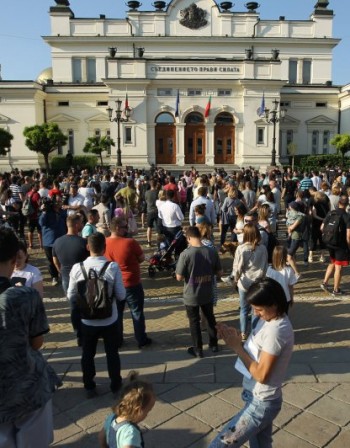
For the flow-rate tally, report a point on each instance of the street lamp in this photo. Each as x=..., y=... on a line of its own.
x=274, y=116
x=118, y=119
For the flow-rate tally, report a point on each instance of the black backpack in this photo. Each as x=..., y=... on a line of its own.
x=272, y=242
x=93, y=299
x=332, y=230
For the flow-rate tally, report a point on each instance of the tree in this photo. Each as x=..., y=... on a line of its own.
x=292, y=149
x=5, y=141
x=44, y=139
x=97, y=145
x=342, y=144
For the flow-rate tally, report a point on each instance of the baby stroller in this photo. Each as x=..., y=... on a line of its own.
x=166, y=257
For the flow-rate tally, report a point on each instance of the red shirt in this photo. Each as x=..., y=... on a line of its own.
x=126, y=252
x=35, y=199
x=171, y=186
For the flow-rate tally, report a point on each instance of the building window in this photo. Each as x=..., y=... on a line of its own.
x=63, y=103
x=91, y=70
x=325, y=144
x=260, y=140
x=128, y=134
x=289, y=137
x=224, y=92
x=97, y=133
x=164, y=92
x=306, y=72
x=194, y=92
x=77, y=72
x=71, y=141
x=102, y=103
x=315, y=137
x=293, y=69
x=321, y=104
x=285, y=104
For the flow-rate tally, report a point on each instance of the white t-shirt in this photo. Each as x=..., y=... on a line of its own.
x=285, y=277
x=275, y=337
x=27, y=276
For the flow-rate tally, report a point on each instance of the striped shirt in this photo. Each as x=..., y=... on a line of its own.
x=305, y=184
x=16, y=192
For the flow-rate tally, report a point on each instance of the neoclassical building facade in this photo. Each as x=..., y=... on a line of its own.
x=194, y=74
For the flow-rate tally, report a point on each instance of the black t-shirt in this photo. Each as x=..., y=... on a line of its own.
x=151, y=197
x=69, y=249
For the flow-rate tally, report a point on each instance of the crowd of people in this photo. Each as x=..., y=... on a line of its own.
x=87, y=225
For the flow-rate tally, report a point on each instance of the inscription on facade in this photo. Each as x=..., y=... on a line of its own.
x=195, y=69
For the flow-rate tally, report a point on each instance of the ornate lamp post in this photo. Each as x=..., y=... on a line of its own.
x=274, y=116
x=118, y=119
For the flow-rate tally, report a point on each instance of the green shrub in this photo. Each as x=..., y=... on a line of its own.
x=59, y=163
x=308, y=163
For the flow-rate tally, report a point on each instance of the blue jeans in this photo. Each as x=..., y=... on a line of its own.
x=253, y=423
x=243, y=311
x=135, y=298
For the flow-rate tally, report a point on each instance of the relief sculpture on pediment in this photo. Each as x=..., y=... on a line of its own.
x=193, y=17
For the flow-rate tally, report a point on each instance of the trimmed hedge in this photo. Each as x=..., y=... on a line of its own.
x=307, y=163
x=59, y=163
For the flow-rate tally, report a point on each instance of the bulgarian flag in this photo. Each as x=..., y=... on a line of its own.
x=126, y=101
x=207, y=108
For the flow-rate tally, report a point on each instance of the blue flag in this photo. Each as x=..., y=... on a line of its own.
x=177, y=106
x=261, y=110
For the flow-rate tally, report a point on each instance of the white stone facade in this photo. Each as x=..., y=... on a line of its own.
x=206, y=53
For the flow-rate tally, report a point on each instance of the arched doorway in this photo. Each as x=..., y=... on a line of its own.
x=165, y=139
x=194, y=138
x=224, y=139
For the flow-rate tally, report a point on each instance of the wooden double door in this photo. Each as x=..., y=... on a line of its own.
x=165, y=144
x=194, y=144
x=224, y=144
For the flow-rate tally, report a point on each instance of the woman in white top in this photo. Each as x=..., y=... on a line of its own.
x=26, y=274
x=88, y=194
x=263, y=361
x=240, y=210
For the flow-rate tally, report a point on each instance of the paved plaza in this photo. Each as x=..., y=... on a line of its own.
x=196, y=396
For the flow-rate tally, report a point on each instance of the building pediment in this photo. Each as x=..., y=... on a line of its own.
x=63, y=118
x=4, y=119
x=288, y=120
x=320, y=119
x=97, y=118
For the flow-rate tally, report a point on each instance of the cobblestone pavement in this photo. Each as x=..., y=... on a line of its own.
x=196, y=396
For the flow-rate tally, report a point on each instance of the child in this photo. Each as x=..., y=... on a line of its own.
x=282, y=273
x=199, y=211
x=136, y=401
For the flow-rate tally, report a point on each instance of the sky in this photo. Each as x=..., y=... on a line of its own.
x=23, y=53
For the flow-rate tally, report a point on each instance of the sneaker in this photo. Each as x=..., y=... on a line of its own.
x=196, y=353
x=322, y=259
x=337, y=292
x=148, y=341
x=244, y=337
x=298, y=276
x=227, y=280
x=324, y=287
x=149, y=244
x=310, y=259
x=54, y=281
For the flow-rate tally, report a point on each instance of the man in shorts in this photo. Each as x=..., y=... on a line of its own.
x=339, y=256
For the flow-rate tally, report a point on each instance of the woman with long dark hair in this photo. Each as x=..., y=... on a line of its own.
x=263, y=361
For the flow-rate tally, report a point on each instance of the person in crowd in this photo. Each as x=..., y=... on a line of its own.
x=104, y=223
x=128, y=253
x=263, y=360
x=306, y=182
x=196, y=267
x=171, y=216
x=182, y=188
x=136, y=401
x=91, y=225
x=26, y=274
x=55, y=190
x=296, y=222
x=228, y=216
x=209, y=207
x=66, y=251
x=151, y=197
x=282, y=273
x=88, y=193
x=28, y=382
x=43, y=190
x=52, y=221
x=171, y=185
x=249, y=195
x=339, y=255
x=75, y=201
x=93, y=330
x=129, y=195
x=319, y=211
x=33, y=218
x=273, y=215
x=334, y=197
x=276, y=198
x=249, y=264
x=240, y=211
x=14, y=202
x=264, y=213
x=316, y=180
